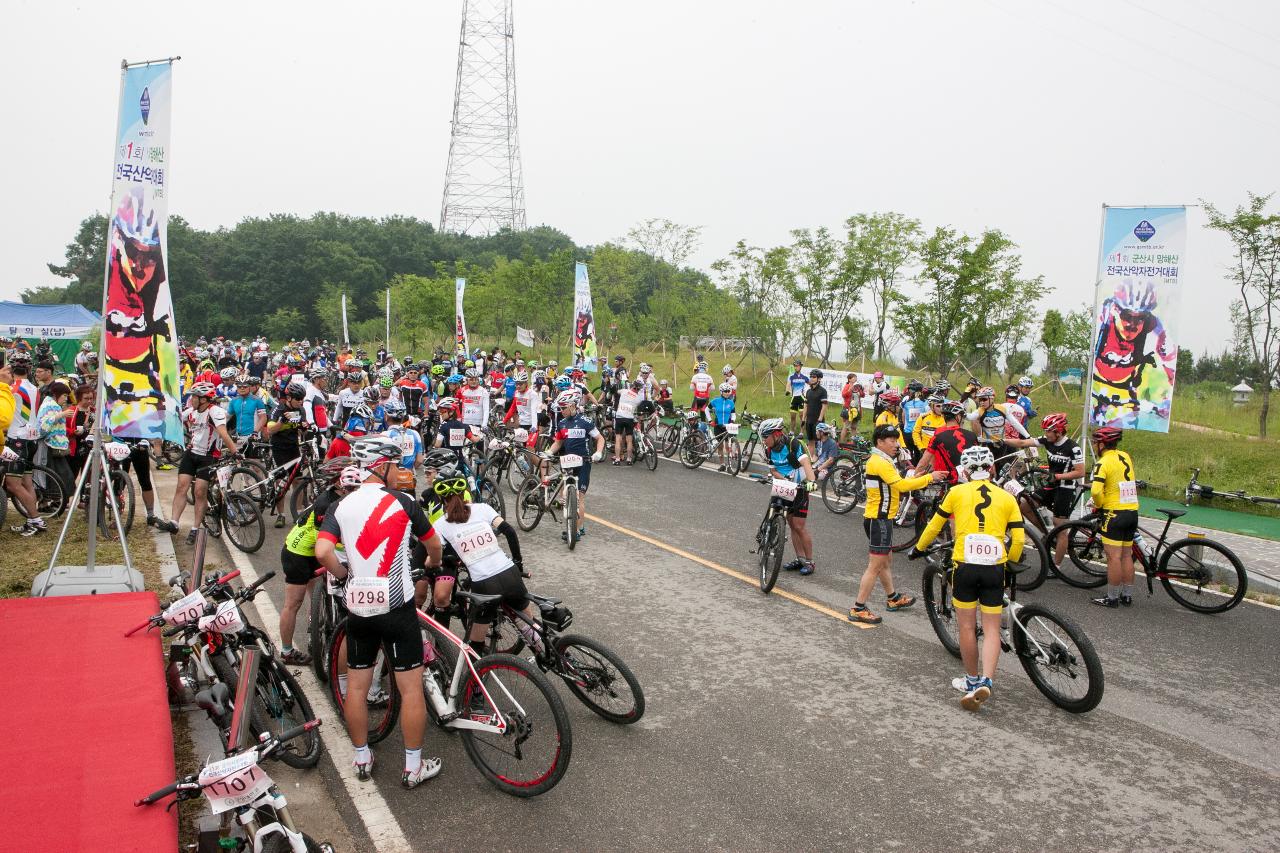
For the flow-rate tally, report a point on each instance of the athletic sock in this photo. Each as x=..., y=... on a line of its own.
x=1113, y=591
x=363, y=756
x=859, y=605
x=412, y=760
x=1126, y=590
x=342, y=684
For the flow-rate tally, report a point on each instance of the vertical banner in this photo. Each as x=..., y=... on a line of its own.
x=1135, y=355
x=140, y=342
x=388, y=320
x=524, y=337
x=584, y=322
x=461, y=345
x=346, y=337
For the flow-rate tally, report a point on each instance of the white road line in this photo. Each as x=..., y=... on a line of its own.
x=381, y=825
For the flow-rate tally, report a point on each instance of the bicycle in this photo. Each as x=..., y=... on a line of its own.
x=1202, y=490
x=673, y=437
x=238, y=785
x=845, y=485
x=1181, y=566
x=51, y=498
x=547, y=494
x=1054, y=651
x=232, y=511
x=726, y=444
x=771, y=536
x=645, y=450
x=752, y=422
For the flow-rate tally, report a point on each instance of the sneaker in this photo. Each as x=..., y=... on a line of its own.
x=793, y=565
x=364, y=771
x=167, y=526
x=152, y=521
x=1126, y=601
x=902, y=602
x=721, y=468
x=1104, y=601
x=20, y=528
x=807, y=568
x=864, y=616
x=33, y=528
x=582, y=533
x=164, y=466
x=279, y=521
x=377, y=697
x=973, y=699
x=961, y=683
x=617, y=462
x=428, y=769
x=297, y=656
x=191, y=536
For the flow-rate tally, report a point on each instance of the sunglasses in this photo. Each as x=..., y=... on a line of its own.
x=445, y=488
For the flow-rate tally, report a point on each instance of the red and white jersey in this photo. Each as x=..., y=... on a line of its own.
x=375, y=526
x=475, y=405
x=527, y=406
x=701, y=384
x=203, y=427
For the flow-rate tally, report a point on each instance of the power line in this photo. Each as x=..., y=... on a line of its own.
x=1203, y=35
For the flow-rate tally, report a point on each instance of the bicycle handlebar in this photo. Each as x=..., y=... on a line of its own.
x=158, y=619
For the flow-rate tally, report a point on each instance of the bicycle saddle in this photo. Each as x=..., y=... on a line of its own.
x=1172, y=513
x=478, y=599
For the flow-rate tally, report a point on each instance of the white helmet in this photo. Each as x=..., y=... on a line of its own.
x=726, y=370
x=977, y=460
x=1025, y=382
x=645, y=368
x=373, y=450
x=568, y=398
x=726, y=387
x=350, y=477
x=228, y=373
x=769, y=425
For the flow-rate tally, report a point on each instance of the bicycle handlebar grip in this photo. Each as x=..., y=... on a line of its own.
x=175, y=630
x=157, y=795
x=228, y=577
x=292, y=733
x=138, y=628
x=256, y=585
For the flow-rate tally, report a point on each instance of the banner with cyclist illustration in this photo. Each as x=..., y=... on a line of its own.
x=584, y=322
x=140, y=343
x=1135, y=355
x=460, y=344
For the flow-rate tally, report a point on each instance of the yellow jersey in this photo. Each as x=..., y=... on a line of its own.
x=926, y=425
x=1115, y=486
x=885, y=485
x=888, y=417
x=980, y=508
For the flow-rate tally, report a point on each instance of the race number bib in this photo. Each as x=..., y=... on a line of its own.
x=186, y=609
x=224, y=477
x=784, y=489
x=1014, y=487
x=368, y=596
x=981, y=549
x=457, y=437
x=731, y=430
x=233, y=782
x=1128, y=492
x=571, y=460
x=225, y=620
x=475, y=542
x=406, y=444
x=470, y=411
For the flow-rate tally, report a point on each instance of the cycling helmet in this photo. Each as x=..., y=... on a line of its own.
x=985, y=391
x=568, y=398
x=440, y=459
x=471, y=373
x=454, y=379
x=662, y=383
x=563, y=382
x=890, y=398
x=577, y=372
x=447, y=403
x=770, y=425
x=606, y=372
x=350, y=477
x=645, y=368
x=952, y=409
x=533, y=364
x=228, y=373
x=1013, y=391
x=85, y=346
x=20, y=357
x=1108, y=435
x=295, y=391
x=317, y=373
x=521, y=377
x=362, y=411
x=1025, y=382
x=726, y=387
x=936, y=399
x=204, y=389
x=437, y=370
x=371, y=394
x=395, y=410
x=943, y=385
x=255, y=381
x=538, y=376
x=879, y=374
x=468, y=363
x=1135, y=295
x=823, y=427
x=332, y=468
x=726, y=370
x=702, y=367
x=857, y=386
x=977, y=458
x=915, y=386
x=449, y=481
x=1055, y=421
x=520, y=435
x=815, y=374
x=373, y=450
x=553, y=363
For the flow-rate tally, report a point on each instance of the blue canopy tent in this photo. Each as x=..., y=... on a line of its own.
x=65, y=326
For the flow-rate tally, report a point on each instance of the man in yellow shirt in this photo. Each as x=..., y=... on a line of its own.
x=1114, y=493
x=929, y=423
x=884, y=486
x=891, y=414
x=983, y=512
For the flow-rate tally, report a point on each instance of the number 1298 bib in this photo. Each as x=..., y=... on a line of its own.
x=368, y=596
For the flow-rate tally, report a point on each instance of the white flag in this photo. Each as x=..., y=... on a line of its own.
x=524, y=337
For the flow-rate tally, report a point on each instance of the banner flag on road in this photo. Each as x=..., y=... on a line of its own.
x=524, y=337
x=346, y=337
x=139, y=339
x=584, y=323
x=1135, y=356
x=461, y=344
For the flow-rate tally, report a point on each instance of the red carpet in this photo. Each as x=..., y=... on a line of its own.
x=84, y=717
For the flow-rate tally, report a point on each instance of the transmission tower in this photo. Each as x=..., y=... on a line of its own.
x=484, y=186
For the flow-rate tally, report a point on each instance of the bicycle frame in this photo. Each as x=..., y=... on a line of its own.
x=445, y=704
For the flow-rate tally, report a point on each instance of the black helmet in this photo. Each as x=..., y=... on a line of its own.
x=815, y=374
x=295, y=391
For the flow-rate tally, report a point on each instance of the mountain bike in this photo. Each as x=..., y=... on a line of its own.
x=726, y=444
x=771, y=536
x=232, y=511
x=645, y=450
x=552, y=494
x=1199, y=573
x=845, y=485
x=1057, y=655
x=749, y=444
x=238, y=785
x=1203, y=490
x=673, y=437
x=51, y=498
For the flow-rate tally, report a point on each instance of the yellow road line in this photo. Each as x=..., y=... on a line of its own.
x=733, y=573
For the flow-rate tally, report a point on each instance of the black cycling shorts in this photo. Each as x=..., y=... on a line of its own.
x=811, y=430
x=283, y=454
x=509, y=584
x=1118, y=526
x=191, y=463
x=1059, y=501
x=797, y=404
x=879, y=534
x=700, y=403
x=21, y=466
x=396, y=631
x=973, y=586
x=624, y=426
x=799, y=506
x=298, y=569
x=140, y=461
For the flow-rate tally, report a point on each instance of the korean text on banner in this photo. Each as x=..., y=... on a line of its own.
x=524, y=337
x=140, y=342
x=584, y=323
x=834, y=381
x=1135, y=354
x=461, y=344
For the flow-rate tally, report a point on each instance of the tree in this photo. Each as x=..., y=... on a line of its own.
x=879, y=246
x=84, y=265
x=824, y=287
x=1256, y=275
x=283, y=324
x=1017, y=363
x=759, y=280
x=666, y=241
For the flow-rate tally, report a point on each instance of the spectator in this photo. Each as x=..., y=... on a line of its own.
x=815, y=407
x=52, y=422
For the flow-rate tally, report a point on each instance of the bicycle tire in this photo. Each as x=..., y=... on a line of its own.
x=242, y=522
x=670, y=441
x=1061, y=659
x=694, y=450
x=520, y=469
x=318, y=631
x=529, y=508
x=302, y=495
x=490, y=493
x=732, y=456
x=843, y=487
x=51, y=498
x=380, y=724
x=278, y=705
x=1202, y=575
x=571, y=515
x=1036, y=559
x=245, y=479
x=519, y=676
x=229, y=676
x=935, y=588
x=924, y=511
x=122, y=486
x=589, y=679
x=748, y=453
x=771, y=549
x=1085, y=566
x=650, y=456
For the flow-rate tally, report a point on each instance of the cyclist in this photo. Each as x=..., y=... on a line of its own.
x=990, y=420
x=890, y=403
x=914, y=407
x=571, y=437
x=399, y=431
x=526, y=405
x=1024, y=399
x=1114, y=495
x=20, y=441
x=285, y=427
x=453, y=434
x=982, y=513
x=206, y=425
x=788, y=461
x=797, y=382
x=412, y=390
x=624, y=423
x=1015, y=411
x=358, y=425
x=884, y=486
x=227, y=387
x=825, y=451
x=815, y=407
x=376, y=525
x=1066, y=467
x=948, y=444
x=648, y=385
x=350, y=396
x=722, y=414
x=927, y=425
x=879, y=385
x=247, y=413
x=664, y=398
x=727, y=375
x=701, y=384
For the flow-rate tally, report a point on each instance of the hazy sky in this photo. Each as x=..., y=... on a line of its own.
x=748, y=118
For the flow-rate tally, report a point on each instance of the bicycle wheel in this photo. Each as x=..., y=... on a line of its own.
x=774, y=542
x=935, y=587
x=245, y=479
x=1086, y=564
x=51, y=498
x=670, y=441
x=243, y=522
x=748, y=453
x=278, y=705
x=1059, y=658
x=492, y=495
x=597, y=676
x=695, y=450
x=1033, y=567
x=520, y=469
x=302, y=496
x=529, y=506
x=122, y=487
x=571, y=520
x=1203, y=575
x=383, y=697
x=844, y=486
x=732, y=456
x=318, y=636
x=532, y=755
x=924, y=512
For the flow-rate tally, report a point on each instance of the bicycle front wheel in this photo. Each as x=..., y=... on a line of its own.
x=318, y=636
x=571, y=520
x=732, y=456
x=670, y=440
x=383, y=698
x=1059, y=658
x=243, y=522
x=649, y=455
x=245, y=479
x=278, y=705
x=51, y=497
x=532, y=755
x=491, y=495
x=122, y=486
x=529, y=507
x=1085, y=566
x=303, y=495
x=1203, y=575
x=844, y=486
x=774, y=542
x=694, y=451
x=935, y=587
x=1033, y=567
x=597, y=676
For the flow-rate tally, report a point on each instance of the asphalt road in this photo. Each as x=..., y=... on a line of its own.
x=775, y=724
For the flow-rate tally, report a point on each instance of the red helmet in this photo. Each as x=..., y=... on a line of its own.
x=1108, y=435
x=890, y=398
x=1056, y=421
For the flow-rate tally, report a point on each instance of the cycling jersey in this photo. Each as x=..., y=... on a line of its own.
x=1114, y=483
x=244, y=412
x=888, y=417
x=992, y=422
x=301, y=540
x=723, y=410
x=573, y=433
x=797, y=382
x=203, y=428
x=475, y=543
x=454, y=435
x=885, y=484
x=912, y=409
x=927, y=425
x=1063, y=457
x=288, y=434
x=627, y=402
x=985, y=512
x=701, y=384
x=475, y=405
x=787, y=457
x=525, y=407
x=946, y=447
x=410, y=444
x=411, y=393
x=25, y=405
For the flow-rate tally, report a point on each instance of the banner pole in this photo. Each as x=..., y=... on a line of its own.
x=1087, y=388
x=388, y=319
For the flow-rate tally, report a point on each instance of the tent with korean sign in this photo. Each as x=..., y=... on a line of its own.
x=64, y=326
